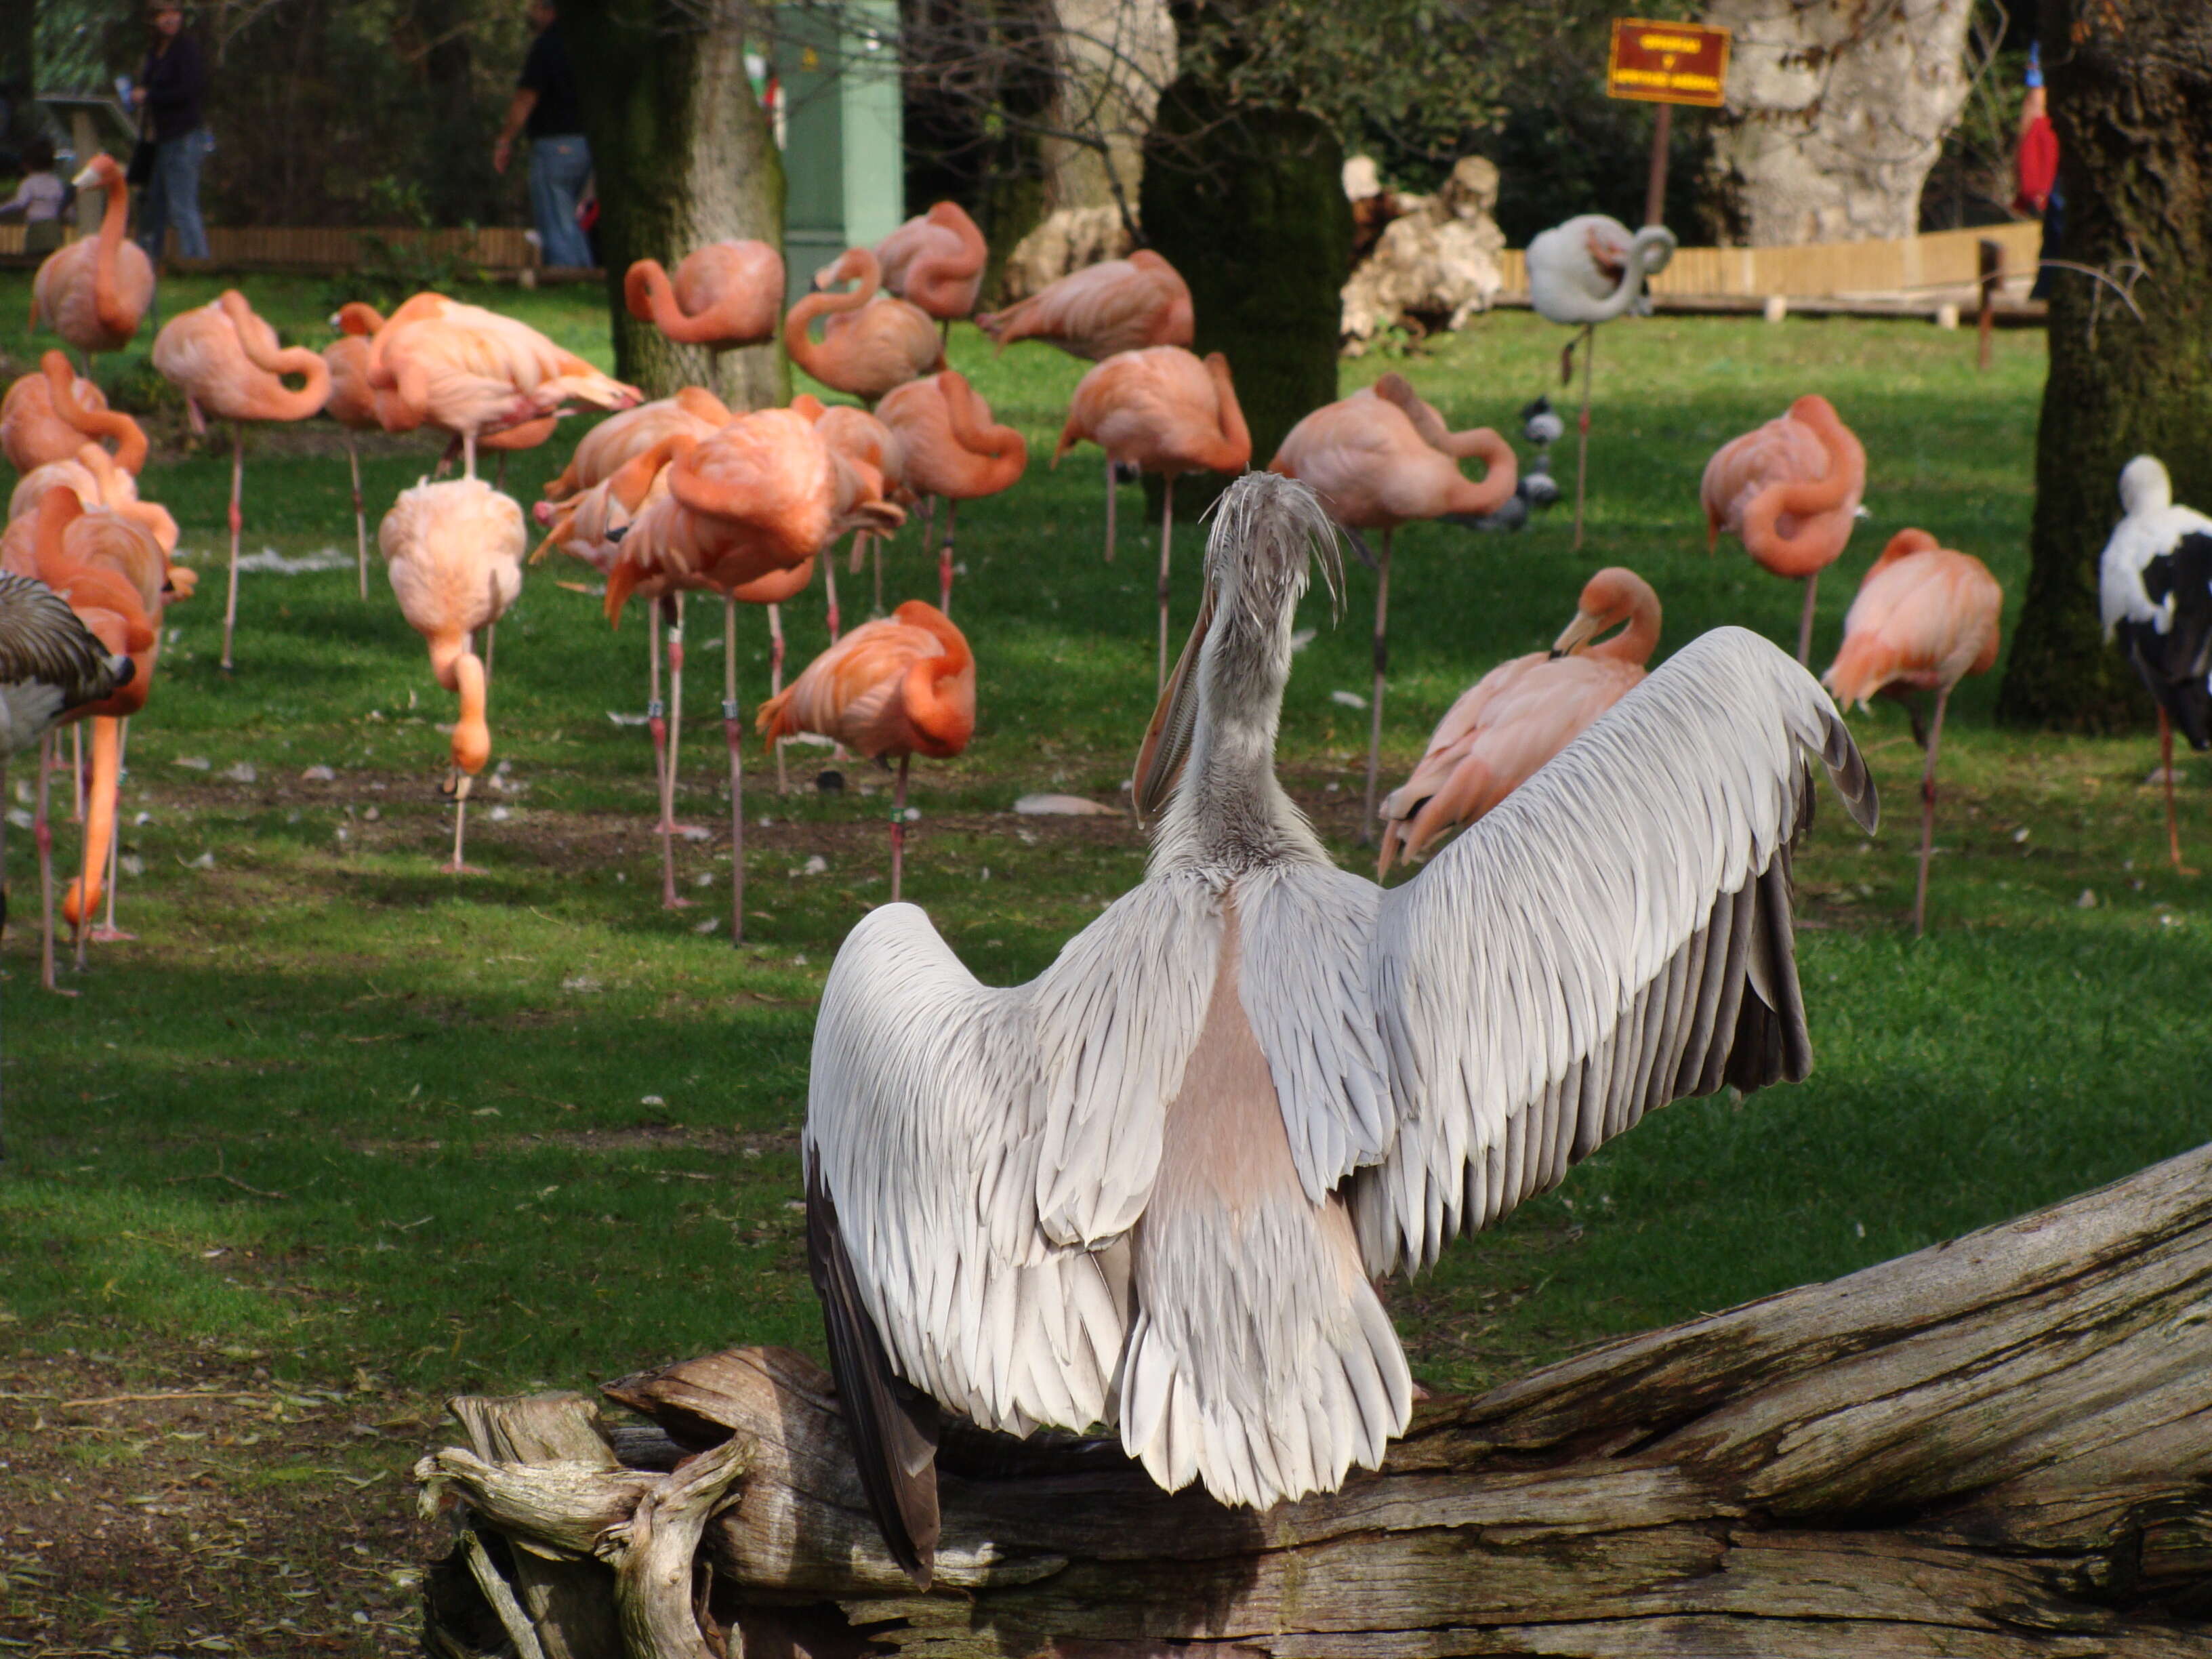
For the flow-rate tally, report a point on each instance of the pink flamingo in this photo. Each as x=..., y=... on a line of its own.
x=92, y=292
x=1925, y=617
x=952, y=450
x=228, y=363
x=725, y=296
x=935, y=260
x=1380, y=459
x=871, y=342
x=50, y=415
x=902, y=685
x=1162, y=411
x=864, y=441
x=1514, y=719
x=1790, y=491
x=617, y=439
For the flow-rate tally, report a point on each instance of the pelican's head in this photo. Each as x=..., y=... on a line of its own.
x=2145, y=487
x=1268, y=533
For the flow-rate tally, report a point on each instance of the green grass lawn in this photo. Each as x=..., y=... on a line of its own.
x=338, y=1109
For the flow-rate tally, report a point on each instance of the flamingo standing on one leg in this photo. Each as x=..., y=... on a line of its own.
x=903, y=685
x=1789, y=491
x=453, y=551
x=1380, y=459
x=228, y=363
x=51, y=414
x=725, y=296
x=953, y=450
x=1162, y=411
x=1514, y=719
x=1115, y=306
x=871, y=342
x=1925, y=617
x=935, y=260
x=92, y=292
x=2155, y=590
x=1587, y=272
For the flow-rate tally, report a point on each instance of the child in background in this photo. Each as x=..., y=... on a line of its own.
x=39, y=198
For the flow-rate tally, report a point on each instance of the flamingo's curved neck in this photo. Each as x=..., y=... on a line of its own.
x=283, y=404
x=798, y=336
x=1636, y=642
x=1501, y=474
x=107, y=297
x=1234, y=453
x=934, y=714
x=1000, y=446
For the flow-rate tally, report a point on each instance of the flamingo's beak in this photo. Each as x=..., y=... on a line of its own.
x=1586, y=627
x=85, y=180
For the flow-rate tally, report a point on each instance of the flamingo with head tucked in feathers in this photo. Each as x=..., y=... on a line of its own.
x=50, y=415
x=935, y=260
x=724, y=295
x=871, y=342
x=1380, y=459
x=228, y=363
x=1789, y=491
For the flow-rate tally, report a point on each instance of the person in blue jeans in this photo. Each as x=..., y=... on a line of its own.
x=545, y=105
x=168, y=94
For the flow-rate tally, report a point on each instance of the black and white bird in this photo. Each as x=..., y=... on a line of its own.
x=1535, y=490
x=1540, y=423
x=1153, y=1186
x=2154, y=589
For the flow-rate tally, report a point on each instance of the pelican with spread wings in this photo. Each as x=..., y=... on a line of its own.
x=1152, y=1187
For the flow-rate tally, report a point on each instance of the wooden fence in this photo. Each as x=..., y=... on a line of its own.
x=1814, y=270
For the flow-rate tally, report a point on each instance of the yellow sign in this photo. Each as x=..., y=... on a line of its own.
x=1668, y=63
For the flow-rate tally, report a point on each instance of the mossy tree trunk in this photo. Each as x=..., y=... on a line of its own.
x=684, y=156
x=2131, y=96
x=1249, y=204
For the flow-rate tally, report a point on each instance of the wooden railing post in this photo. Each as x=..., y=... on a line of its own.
x=1989, y=255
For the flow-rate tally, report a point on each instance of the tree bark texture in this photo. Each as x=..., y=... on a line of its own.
x=684, y=156
x=1836, y=113
x=2131, y=90
x=1249, y=204
x=1998, y=1448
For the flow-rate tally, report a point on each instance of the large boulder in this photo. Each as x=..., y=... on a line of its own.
x=1435, y=264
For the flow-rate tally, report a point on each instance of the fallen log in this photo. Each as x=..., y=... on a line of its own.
x=1998, y=1447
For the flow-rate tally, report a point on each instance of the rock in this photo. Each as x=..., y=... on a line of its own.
x=1348, y=699
x=815, y=866
x=194, y=763
x=1435, y=265
x=204, y=861
x=244, y=772
x=1067, y=239
x=318, y=774
x=1065, y=806
x=2087, y=900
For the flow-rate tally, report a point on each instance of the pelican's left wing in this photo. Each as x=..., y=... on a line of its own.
x=1614, y=935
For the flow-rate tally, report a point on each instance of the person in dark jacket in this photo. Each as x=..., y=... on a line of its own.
x=559, y=157
x=168, y=95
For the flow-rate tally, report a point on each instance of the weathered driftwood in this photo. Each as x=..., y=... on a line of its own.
x=1999, y=1447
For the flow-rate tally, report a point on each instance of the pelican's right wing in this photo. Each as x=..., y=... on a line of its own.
x=1615, y=934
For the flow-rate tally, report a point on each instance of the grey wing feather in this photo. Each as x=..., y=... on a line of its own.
x=43, y=641
x=1614, y=935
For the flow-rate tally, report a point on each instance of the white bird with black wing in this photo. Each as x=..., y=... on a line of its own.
x=2155, y=590
x=1152, y=1187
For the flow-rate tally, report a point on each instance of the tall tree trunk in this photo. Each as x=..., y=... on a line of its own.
x=2131, y=96
x=684, y=156
x=1249, y=204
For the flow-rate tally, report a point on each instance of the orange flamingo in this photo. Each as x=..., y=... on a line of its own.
x=92, y=293
x=1161, y=411
x=1925, y=617
x=93, y=476
x=764, y=495
x=935, y=260
x=471, y=370
x=1380, y=459
x=1115, y=306
x=903, y=685
x=1790, y=491
x=358, y=406
x=952, y=450
x=228, y=363
x=865, y=442
x=453, y=551
x=871, y=342
x=615, y=441
x=1514, y=719
x=50, y=415
x=725, y=294
x=111, y=574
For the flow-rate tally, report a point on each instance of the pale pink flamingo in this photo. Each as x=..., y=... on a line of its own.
x=92, y=292
x=1380, y=459
x=902, y=685
x=871, y=342
x=1161, y=411
x=1790, y=490
x=935, y=260
x=50, y=415
x=228, y=363
x=92, y=476
x=453, y=551
x=952, y=450
x=1522, y=713
x=725, y=296
x=1925, y=617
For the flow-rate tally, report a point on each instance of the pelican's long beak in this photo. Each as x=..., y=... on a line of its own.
x=1580, y=632
x=1167, y=739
